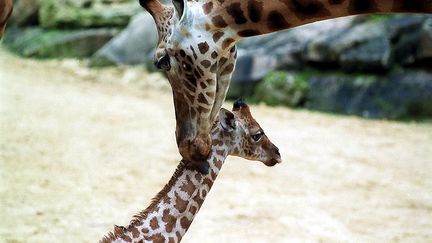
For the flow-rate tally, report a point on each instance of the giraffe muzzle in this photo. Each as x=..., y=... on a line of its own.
x=195, y=150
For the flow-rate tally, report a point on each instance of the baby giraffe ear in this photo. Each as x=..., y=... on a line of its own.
x=227, y=120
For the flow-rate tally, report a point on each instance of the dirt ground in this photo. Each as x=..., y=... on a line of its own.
x=82, y=150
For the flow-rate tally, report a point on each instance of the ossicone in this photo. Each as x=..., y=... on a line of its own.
x=239, y=103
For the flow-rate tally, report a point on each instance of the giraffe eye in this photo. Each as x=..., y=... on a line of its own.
x=257, y=136
x=163, y=63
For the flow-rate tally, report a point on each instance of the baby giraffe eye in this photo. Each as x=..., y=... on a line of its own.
x=257, y=136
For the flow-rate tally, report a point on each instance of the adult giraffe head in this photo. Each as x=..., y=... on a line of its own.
x=196, y=48
x=198, y=69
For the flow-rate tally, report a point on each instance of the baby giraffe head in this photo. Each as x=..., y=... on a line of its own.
x=187, y=54
x=244, y=137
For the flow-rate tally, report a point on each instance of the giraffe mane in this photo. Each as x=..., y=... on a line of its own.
x=143, y=214
x=136, y=219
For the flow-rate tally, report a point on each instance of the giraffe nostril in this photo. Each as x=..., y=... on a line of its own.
x=277, y=150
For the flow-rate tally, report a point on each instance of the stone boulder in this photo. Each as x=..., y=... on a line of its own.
x=25, y=13
x=396, y=96
x=86, y=13
x=37, y=42
x=405, y=34
x=372, y=55
x=424, y=50
x=262, y=54
x=364, y=47
x=134, y=45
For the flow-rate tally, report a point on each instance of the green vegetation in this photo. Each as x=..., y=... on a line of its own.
x=40, y=43
x=69, y=14
x=379, y=17
x=282, y=88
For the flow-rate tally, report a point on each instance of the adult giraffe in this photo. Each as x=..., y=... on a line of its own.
x=6, y=7
x=197, y=50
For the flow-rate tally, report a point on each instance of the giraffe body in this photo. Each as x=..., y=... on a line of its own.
x=197, y=50
x=169, y=216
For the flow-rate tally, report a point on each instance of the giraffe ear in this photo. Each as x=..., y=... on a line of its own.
x=227, y=120
x=180, y=6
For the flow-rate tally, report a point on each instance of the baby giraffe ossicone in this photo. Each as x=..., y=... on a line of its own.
x=172, y=210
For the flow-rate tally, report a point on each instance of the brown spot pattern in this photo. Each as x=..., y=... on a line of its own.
x=203, y=47
x=202, y=99
x=235, y=11
x=255, y=9
x=248, y=33
x=157, y=238
x=185, y=222
x=214, y=55
x=154, y=223
x=207, y=7
x=227, y=42
x=228, y=70
x=126, y=238
x=276, y=21
x=135, y=232
x=193, y=210
x=180, y=204
x=362, y=6
x=206, y=63
x=219, y=22
x=217, y=36
x=169, y=220
x=305, y=9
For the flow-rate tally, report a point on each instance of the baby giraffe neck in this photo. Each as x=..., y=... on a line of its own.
x=171, y=212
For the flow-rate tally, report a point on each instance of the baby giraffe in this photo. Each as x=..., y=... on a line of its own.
x=172, y=210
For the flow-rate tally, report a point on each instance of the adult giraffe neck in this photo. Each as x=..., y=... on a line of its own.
x=173, y=209
x=256, y=17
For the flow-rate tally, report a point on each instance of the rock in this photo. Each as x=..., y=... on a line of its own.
x=262, y=54
x=397, y=96
x=282, y=88
x=36, y=42
x=250, y=68
x=134, y=45
x=404, y=32
x=328, y=48
x=424, y=50
x=404, y=24
x=339, y=93
x=86, y=13
x=25, y=13
x=373, y=55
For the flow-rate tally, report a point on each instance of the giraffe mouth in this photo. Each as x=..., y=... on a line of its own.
x=273, y=162
x=196, y=150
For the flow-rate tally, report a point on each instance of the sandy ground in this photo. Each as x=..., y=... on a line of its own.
x=84, y=149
